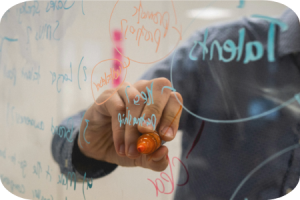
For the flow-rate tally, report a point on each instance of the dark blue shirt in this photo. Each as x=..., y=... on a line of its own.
x=248, y=102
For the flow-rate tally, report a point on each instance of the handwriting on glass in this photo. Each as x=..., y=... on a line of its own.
x=169, y=179
x=64, y=77
x=63, y=180
x=236, y=51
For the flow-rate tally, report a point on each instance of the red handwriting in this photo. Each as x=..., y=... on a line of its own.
x=197, y=138
x=169, y=179
x=113, y=75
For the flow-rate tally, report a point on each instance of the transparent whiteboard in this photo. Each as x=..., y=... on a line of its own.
x=82, y=80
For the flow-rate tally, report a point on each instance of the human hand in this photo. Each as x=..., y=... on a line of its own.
x=112, y=141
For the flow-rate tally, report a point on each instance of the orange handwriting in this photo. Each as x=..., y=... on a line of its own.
x=147, y=35
x=113, y=75
x=154, y=17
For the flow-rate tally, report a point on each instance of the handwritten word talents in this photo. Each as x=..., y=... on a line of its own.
x=254, y=49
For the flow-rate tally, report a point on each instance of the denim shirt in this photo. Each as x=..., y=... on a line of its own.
x=250, y=114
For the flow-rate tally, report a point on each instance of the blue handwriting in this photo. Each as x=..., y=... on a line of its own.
x=29, y=121
x=31, y=74
x=48, y=174
x=82, y=7
x=56, y=77
x=37, y=169
x=13, y=186
x=242, y=4
x=37, y=194
x=63, y=76
x=13, y=159
x=6, y=39
x=23, y=164
x=58, y=5
x=236, y=51
x=62, y=131
x=63, y=180
x=144, y=96
x=140, y=121
x=10, y=74
x=28, y=9
x=47, y=32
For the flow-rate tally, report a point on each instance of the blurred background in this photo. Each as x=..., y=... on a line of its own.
x=51, y=53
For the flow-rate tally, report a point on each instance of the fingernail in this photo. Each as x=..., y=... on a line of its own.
x=122, y=149
x=132, y=151
x=168, y=132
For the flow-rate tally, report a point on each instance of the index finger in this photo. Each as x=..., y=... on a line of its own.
x=155, y=102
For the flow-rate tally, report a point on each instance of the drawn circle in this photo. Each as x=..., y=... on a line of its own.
x=262, y=164
x=135, y=60
x=117, y=88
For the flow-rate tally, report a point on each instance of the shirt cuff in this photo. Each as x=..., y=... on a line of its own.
x=93, y=168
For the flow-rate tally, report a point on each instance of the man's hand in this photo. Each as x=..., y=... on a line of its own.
x=113, y=143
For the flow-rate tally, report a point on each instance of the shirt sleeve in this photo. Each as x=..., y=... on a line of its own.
x=66, y=152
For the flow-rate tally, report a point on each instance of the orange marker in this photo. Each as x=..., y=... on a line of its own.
x=148, y=143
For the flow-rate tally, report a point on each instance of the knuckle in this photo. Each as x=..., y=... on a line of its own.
x=120, y=107
x=123, y=86
x=106, y=93
x=178, y=95
x=141, y=82
x=153, y=109
x=161, y=82
x=168, y=118
x=126, y=83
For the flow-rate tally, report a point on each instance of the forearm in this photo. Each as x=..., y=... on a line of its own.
x=66, y=152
